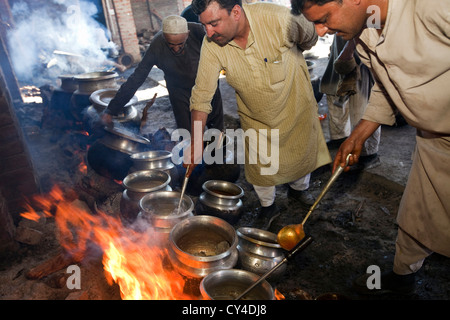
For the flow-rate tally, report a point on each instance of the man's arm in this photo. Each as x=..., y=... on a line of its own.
x=129, y=88
x=198, y=123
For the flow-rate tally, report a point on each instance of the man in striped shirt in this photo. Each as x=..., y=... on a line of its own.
x=260, y=47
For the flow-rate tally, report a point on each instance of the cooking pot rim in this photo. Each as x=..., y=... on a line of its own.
x=141, y=156
x=247, y=232
x=96, y=76
x=194, y=219
x=210, y=183
x=135, y=174
x=96, y=97
x=158, y=194
x=251, y=276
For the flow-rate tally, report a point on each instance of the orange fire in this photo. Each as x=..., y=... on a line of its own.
x=135, y=260
x=279, y=295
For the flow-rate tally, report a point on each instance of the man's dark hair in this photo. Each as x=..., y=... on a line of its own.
x=297, y=5
x=198, y=6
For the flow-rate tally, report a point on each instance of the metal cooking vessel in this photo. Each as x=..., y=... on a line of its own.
x=129, y=114
x=229, y=284
x=124, y=141
x=68, y=83
x=158, y=159
x=160, y=209
x=92, y=81
x=101, y=98
x=138, y=185
x=221, y=199
x=259, y=251
x=146, y=181
x=200, y=245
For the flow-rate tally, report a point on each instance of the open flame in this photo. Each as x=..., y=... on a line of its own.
x=135, y=260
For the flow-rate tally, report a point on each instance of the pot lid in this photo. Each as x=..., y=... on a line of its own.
x=123, y=133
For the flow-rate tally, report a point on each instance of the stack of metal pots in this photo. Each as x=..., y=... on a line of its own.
x=156, y=160
x=137, y=185
x=87, y=84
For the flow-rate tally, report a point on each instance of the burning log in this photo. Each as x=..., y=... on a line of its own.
x=58, y=262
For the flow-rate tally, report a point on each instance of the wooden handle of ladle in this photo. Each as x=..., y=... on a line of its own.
x=333, y=178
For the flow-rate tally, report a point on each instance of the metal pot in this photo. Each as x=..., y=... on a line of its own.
x=156, y=160
x=160, y=209
x=229, y=284
x=128, y=115
x=92, y=81
x=100, y=99
x=68, y=83
x=139, y=184
x=159, y=159
x=200, y=245
x=124, y=140
x=259, y=251
x=221, y=199
x=146, y=181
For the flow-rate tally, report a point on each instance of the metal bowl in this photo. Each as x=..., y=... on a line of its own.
x=146, y=181
x=202, y=244
x=229, y=284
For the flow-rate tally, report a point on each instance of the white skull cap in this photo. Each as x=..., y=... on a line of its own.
x=174, y=25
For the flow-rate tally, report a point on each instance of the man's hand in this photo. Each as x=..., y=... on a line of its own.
x=354, y=144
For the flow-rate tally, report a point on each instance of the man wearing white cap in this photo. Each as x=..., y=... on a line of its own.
x=176, y=51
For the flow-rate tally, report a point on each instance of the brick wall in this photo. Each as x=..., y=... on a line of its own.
x=17, y=177
x=163, y=8
x=127, y=28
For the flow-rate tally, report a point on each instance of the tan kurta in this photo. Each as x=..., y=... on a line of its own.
x=273, y=89
x=411, y=62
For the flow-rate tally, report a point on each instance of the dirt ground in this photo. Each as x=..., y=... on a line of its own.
x=353, y=228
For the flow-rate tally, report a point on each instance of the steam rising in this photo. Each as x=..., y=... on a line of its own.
x=59, y=38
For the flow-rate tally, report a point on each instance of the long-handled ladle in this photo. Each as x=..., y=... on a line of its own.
x=290, y=235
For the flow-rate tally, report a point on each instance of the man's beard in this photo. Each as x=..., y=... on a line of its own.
x=179, y=53
x=219, y=40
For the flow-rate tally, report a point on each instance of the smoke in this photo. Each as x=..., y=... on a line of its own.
x=60, y=37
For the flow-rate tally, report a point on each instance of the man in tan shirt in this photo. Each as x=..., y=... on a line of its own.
x=260, y=47
x=406, y=44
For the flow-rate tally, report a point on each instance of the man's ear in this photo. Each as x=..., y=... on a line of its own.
x=236, y=12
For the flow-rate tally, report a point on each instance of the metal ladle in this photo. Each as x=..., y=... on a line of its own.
x=290, y=235
x=183, y=188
